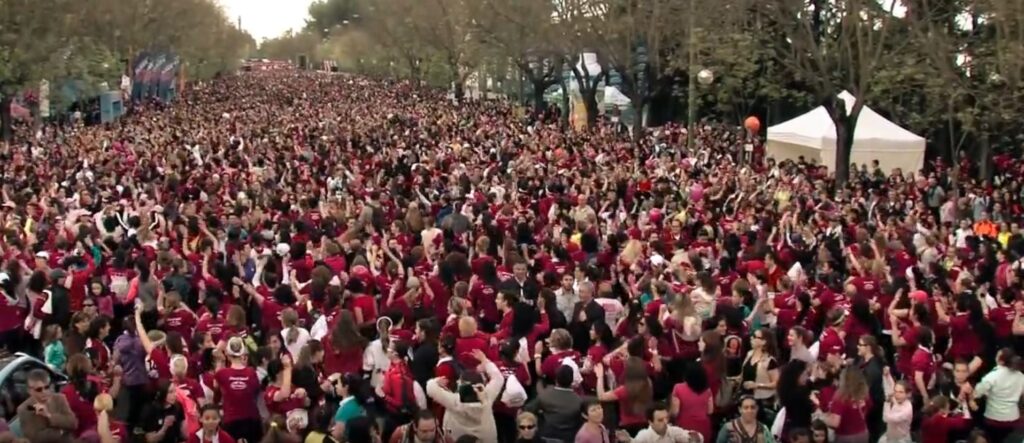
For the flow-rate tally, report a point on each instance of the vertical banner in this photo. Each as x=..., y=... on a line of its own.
x=44, y=99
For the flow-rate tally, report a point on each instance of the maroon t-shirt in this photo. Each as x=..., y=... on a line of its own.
x=239, y=389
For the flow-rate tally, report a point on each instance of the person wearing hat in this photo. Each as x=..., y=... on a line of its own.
x=831, y=343
x=239, y=387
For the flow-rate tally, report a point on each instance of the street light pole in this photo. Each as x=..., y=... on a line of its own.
x=691, y=98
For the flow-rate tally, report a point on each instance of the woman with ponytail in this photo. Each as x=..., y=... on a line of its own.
x=295, y=336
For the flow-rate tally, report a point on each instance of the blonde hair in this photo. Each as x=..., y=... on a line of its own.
x=179, y=365
x=235, y=317
x=526, y=417
x=103, y=402
x=561, y=339
x=290, y=320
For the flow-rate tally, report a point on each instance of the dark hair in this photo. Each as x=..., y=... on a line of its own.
x=798, y=433
x=37, y=281
x=358, y=388
x=654, y=408
x=467, y=439
x=448, y=344
x=564, y=376
x=509, y=350
x=96, y=325
x=422, y=415
x=274, y=367
x=210, y=407
x=401, y=348
x=697, y=379
x=605, y=335
x=789, y=386
x=585, y=405
x=925, y=337
x=360, y=428
x=524, y=317
x=430, y=329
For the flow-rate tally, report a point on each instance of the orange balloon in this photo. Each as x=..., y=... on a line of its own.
x=752, y=124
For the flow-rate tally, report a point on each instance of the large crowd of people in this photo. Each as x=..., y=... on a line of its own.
x=286, y=257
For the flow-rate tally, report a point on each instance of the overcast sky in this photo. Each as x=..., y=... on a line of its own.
x=268, y=18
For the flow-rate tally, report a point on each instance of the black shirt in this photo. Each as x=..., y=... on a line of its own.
x=152, y=420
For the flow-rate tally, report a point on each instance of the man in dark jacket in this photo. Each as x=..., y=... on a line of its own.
x=584, y=314
x=558, y=408
x=425, y=355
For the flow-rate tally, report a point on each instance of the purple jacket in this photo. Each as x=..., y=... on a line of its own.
x=132, y=358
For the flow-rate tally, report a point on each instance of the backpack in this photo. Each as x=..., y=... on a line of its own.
x=512, y=394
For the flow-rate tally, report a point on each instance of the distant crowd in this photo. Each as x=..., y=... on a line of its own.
x=287, y=257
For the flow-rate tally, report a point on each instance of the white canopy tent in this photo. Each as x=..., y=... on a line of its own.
x=813, y=136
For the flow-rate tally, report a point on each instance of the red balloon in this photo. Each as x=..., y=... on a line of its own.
x=752, y=124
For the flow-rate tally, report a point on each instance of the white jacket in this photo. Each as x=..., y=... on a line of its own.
x=476, y=419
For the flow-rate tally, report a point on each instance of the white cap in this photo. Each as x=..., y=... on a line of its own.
x=657, y=260
x=43, y=255
x=282, y=249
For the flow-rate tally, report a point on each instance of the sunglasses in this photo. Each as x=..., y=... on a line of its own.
x=88, y=305
x=527, y=427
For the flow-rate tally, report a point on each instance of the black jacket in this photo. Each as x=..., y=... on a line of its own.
x=424, y=360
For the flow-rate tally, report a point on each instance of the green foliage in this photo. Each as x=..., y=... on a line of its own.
x=64, y=39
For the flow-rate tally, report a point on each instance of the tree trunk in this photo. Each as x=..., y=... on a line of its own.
x=564, y=117
x=538, y=95
x=984, y=157
x=590, y=104
x=6, y=119
x=638, y=120
x=845, y=127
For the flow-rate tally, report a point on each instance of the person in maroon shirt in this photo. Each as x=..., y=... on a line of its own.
x=923, y=364
x=177, y=317
x=343, y=350
x=280, y=396
x=82, y=389
x=849, y=407
x=81, y=270
x=831, y=342
x=1003, y=316
x=560, y=345
x=239, y=388
x=937, y=423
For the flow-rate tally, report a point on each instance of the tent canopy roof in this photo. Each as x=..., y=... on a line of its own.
x=815, y=128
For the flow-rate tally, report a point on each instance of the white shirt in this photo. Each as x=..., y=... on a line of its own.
x=613, y=309
x=294, y=348
x=376, y=361
x=565, y=301
x=673, y=434
x=1004, y=388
